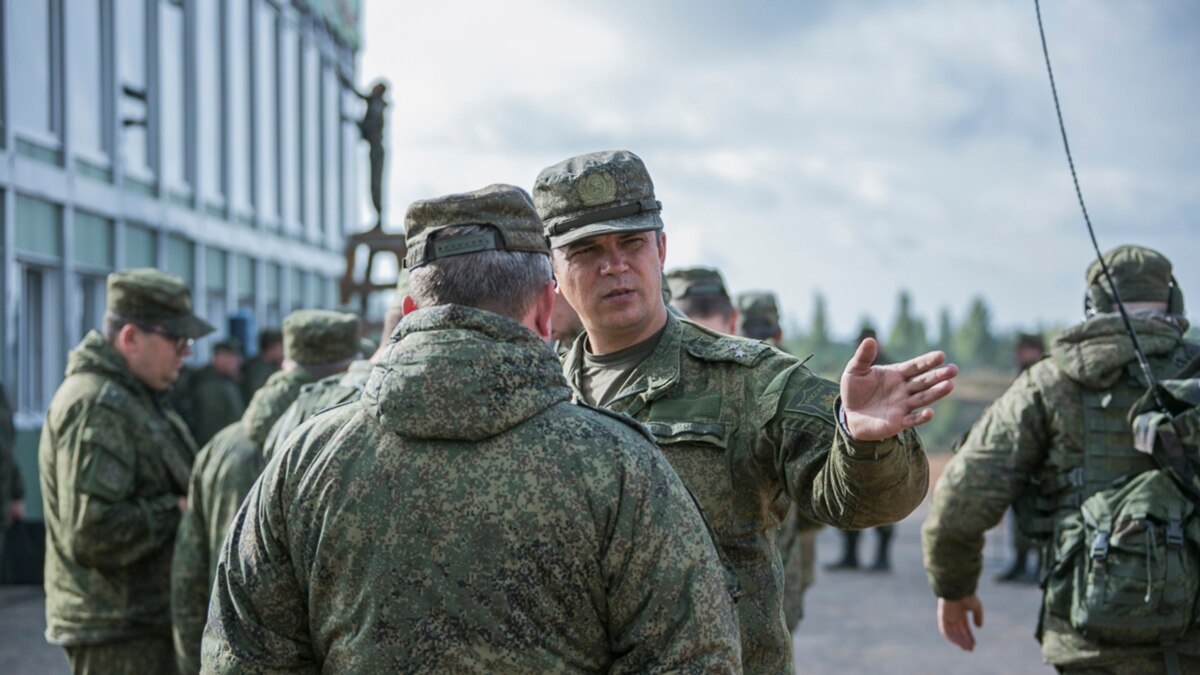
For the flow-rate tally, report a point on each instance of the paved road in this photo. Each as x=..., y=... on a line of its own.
x=861, y=622
x=856, y=622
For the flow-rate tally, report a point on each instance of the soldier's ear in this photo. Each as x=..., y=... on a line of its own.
x=408, y=305
x=662, y=248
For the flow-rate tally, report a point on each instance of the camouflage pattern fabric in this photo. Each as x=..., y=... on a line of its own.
x=137, y=655
x=463, y=516
x=320, y=336
x=216, y=403
x=225, y=470
x=1035, y=428
x=316, y=397
x=114, y=462
x=797, y=539
x=743, y=423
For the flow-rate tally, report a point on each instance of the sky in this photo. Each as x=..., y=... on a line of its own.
x=851, y=149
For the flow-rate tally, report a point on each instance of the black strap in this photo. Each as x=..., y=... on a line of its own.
x=611, y=213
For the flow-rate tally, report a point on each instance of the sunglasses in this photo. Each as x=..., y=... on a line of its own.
x=180, y=343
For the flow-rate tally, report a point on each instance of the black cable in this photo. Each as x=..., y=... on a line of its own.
x=1137, y=345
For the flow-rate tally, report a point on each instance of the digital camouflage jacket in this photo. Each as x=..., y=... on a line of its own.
x=316, y=397
x=1036, y=431
x=114, y=461
x=225, y=470
x=746, y=426
x=464, y=516
x=216, y=403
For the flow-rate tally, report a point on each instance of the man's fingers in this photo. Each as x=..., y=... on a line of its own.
x=917, y=418
x=917, y=365
x=931, y=395
x=863, y=357
x=929, y=378
x=978, y=616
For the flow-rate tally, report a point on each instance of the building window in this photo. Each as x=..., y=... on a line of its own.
x=181, y=259
x=140, y=247
x=237, y=35
x=310, y=84
x=87, y=80
x=215, y=278
x=331, y=126
x=172, y=79
x=290, y=131
x=91, y=302
x=245, y=283
x=38, y=228
x=296, y=289
x=93, y=241
x=274, y=277
x=31, y=27
x=134, y=92
x=39, y=339
x=266, y=132
x=208, y=100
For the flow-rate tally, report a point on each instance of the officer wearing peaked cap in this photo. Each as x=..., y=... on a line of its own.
x=316, y=343
x=740, y=421
x=113, y=463
x=463, y=515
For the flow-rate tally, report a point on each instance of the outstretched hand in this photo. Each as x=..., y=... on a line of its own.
x=880, y=401
x=953, y=623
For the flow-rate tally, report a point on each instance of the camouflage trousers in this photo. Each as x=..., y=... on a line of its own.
x=135, y=655
x=1136, y=666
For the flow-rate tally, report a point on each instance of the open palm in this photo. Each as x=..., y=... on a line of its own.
x=880, y=401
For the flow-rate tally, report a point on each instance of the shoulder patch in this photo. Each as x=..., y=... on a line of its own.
x=708, y=345
x=813, y=397
x=622, y=417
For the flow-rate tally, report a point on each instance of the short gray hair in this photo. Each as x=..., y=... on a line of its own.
x=504, y=282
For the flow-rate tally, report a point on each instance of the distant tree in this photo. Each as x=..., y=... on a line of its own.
x=818, y=337
x=908, y=333
x=945, y=341
x=974, y=344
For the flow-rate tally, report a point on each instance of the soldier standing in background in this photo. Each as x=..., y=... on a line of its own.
x=1063, y=426
x=1030, y=349
x=263, y=365
x=216, y=400
x=12, y=488
x=758, y=319
x=463, y=515
x=883, y=533
x=699, y=292
x=565, y=325
x=340, y=388
x=741, y=422
x=316, y=343
x=114, y=462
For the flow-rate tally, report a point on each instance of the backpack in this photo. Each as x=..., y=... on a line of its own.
x=1126, y=565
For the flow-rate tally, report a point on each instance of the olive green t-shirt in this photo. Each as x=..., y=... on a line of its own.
x=602, y=377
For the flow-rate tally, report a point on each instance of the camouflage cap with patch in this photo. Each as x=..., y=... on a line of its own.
x=320, y=336
x=695, y=281
x=758, y=313
x=1140, y=274
x=505, y=209
x=148, y=296
x=597, y=193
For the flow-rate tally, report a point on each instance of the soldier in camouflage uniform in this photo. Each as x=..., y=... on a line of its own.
x=758, y=319
x=699, y=292
x=340, y=388
x=12, y=488
x=741, y=422
x=1036, y=432
x=114, y=463
x=463, y=515
x=216, y=399
x=316, y=343
x=264, y=364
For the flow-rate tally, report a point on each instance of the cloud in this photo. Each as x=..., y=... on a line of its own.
x=852, y=148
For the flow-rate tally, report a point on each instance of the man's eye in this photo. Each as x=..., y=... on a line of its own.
x=581, y=252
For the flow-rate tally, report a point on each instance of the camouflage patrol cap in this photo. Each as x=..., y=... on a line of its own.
x=505, y=209
x=151, y=297
x=687, y=282
x=1140, y=274
x=319, y=336
x=597, y=193
x=758, y=314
